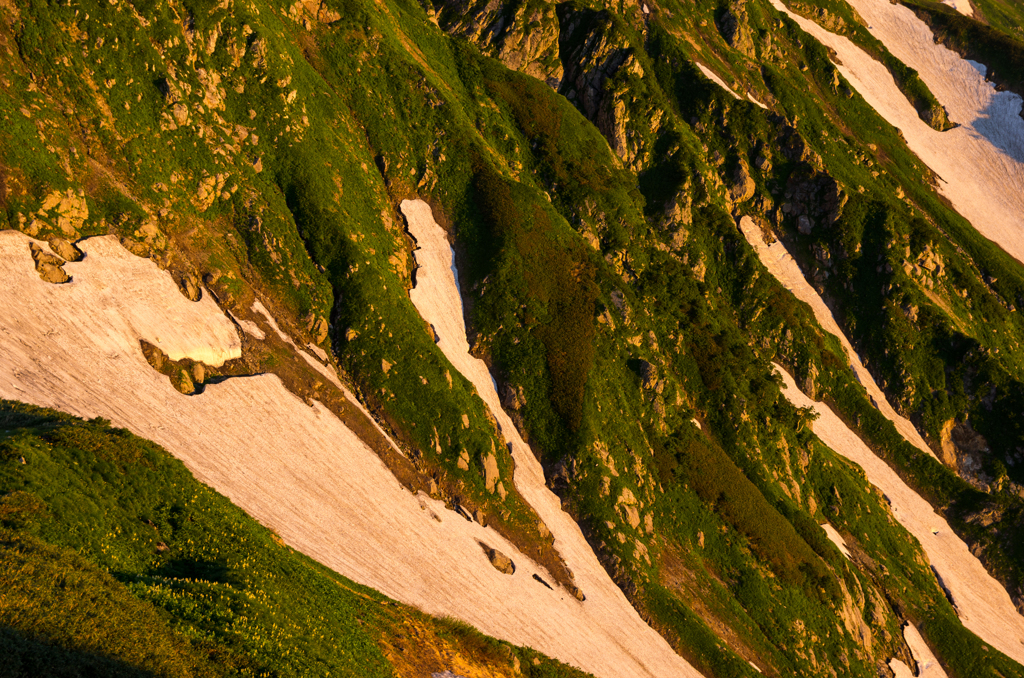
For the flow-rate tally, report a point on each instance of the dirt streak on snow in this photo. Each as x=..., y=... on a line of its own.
x=75, y=347
x=927, y=664
x=982, y=603
x=981, y=163
x=606, y=612
x=780, y=264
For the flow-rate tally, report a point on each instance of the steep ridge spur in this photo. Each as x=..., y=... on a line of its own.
x=981, y=162
x=780, y=264
x=301, y=472
x=983, y=604
x=437, y=298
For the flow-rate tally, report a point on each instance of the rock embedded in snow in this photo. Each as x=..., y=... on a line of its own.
x=490, y=472
x=501, y=562
x=48, y=266
x=65, y=249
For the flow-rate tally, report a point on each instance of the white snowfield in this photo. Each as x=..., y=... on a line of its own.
x=980, y=163
x=982, y=603
x=927, y=664
x=713, y=77
x=75, y=347
x=781, y=264
x=833, y=536
x=633, y=647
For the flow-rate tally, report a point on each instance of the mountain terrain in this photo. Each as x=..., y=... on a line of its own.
x=482, y=338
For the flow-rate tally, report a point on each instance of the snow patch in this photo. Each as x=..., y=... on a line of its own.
x=833, y=535
x=713, y=77
x=627, y=645
x=294, y=467
x=982, y=603
x=980, y=163
x=780, y=263
x=927, y=664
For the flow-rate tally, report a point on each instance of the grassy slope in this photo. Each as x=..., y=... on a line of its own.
x=387, y=107
x=115, y=559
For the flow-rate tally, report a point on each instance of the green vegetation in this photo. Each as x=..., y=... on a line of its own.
x=117, y=561
x=264, y=148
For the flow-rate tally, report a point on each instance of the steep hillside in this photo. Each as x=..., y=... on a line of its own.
x=661, y=338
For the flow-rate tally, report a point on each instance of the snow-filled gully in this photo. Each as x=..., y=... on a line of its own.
x=75, y=347
x=436, y=296
x=980, y=163
x=982, y=603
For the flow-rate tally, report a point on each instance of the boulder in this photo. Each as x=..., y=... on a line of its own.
x=48, y=266
x=500, y=561
x=65, y=249
x=743, y=185
x=188, y=283
x=490, y=472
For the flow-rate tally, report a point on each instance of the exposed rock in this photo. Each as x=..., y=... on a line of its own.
x=810, y=385
x=182, y=381
x=70, y=209
x=648, y=375
x=743, y=184
x=490, y=472
x=511, y=397
x=463, y=460
x=318, y=327
x=525, y=38
x=500, y=561
x=627, y=506
x=48, y=266
x=732, y=24
x=963, y=449
x=188, y=283
x=65, y=249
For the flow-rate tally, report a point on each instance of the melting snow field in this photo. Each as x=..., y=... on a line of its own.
x=75, y=347
x=982, y=603
x=606, y=611
x=927, y=664
x=980, y=163
x=780, y=264
x=713, y=77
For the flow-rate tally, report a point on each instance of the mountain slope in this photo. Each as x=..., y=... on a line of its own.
x=590, y=180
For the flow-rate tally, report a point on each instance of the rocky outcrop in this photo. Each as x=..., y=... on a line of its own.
x=732, y=24
x=813, y=198
x=48, y=266
x=743, y=186
x=523, y=37
x=964, y=450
